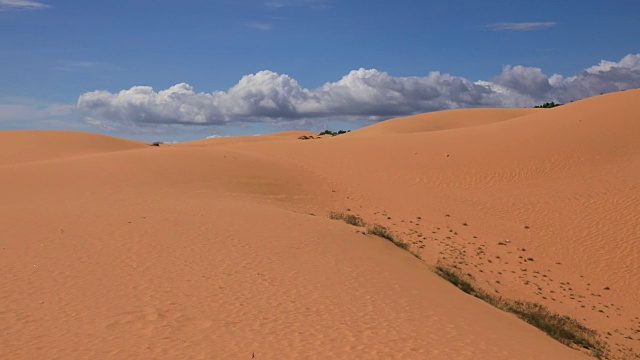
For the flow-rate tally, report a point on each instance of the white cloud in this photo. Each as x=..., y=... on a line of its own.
x=26, y=109
x=315, y=4
x=521, y=26
x=525, y=80
x=628, y=62
x=101, y=124
x=26, y=113
x=361, y=95
x=277, y=4
x=22, y=4
x=216, y=136
x=82, y=66
x=259, y=25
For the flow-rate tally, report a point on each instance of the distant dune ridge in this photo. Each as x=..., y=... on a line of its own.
x=20, y=146
x=442, y=120
x=223, y=248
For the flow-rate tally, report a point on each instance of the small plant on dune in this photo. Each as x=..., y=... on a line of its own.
x=383, y=232
x=456, y=279
x=156, y=143
x=348, y=218
x=375, y=229
x=547, y=105
x=333, y=133
x=565, y=329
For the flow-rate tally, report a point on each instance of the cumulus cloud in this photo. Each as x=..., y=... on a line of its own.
x=521, y=26
x=22, y=4
x=360, y=95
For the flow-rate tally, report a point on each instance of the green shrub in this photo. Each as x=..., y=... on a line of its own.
x=547, y=105
x=333, y=133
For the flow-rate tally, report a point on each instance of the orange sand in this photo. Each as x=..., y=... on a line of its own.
x=221, y=248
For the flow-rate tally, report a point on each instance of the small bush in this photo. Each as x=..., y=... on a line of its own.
x=547, y=105
x=156, y=143
x=348, y=218
x=456, y=279
x=383, y=232
x=376, y=229
x=333, y=133
x=402, y=245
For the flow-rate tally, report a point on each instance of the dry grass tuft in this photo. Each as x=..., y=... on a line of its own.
x=385, y=233
x=565, y=329
x=348, y=218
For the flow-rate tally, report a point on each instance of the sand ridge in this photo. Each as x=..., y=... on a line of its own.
x=19, y=146
x=441, y=120
x=221, y=248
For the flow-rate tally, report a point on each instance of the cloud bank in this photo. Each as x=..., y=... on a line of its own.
x=361, y=95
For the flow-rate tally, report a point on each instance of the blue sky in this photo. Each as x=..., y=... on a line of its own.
x=254, y=66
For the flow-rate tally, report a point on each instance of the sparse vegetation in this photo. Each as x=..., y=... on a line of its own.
x=348, y=218
x=375, y=229
x=333, y=133
x=156, y=143
x=383, y=232
x=456, y=279
x=547, y=105
x=565, y=329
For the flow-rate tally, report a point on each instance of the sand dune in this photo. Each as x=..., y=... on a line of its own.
x=221, y=248
x=226, y=140
x=20, y=146
x=441, y=120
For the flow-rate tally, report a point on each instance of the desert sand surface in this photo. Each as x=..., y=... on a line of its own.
x=21, y=146
x=223, y=249
x=442, y=120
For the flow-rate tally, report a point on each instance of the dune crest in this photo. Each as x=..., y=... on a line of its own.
x=441, y=120
x=20, y=146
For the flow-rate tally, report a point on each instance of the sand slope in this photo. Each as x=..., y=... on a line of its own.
x=222, y=249
x=441, y=120
x=37, y=145
x=560, y=184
